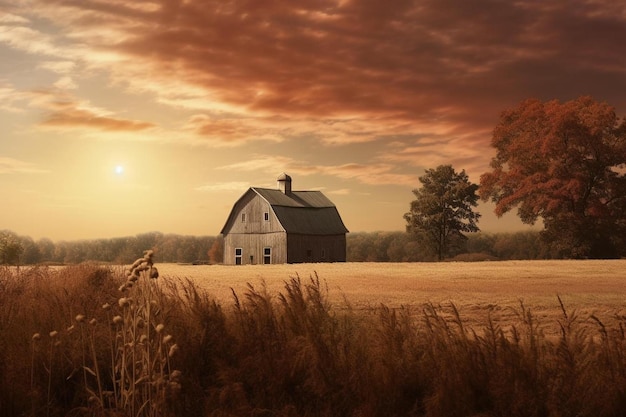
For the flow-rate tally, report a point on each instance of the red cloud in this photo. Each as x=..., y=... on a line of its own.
x=78, y=118
x=414, y=68
x=67, y=112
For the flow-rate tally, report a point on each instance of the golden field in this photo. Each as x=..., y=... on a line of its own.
x=587, y=287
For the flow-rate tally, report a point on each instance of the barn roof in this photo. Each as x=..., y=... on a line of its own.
x=301, y=212
x=310, y=199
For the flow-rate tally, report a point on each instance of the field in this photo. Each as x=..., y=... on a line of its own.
x=490, y=339
x=589, y=287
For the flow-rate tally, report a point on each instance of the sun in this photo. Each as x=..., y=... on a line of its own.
x=119, y=170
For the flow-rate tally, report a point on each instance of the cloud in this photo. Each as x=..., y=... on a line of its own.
x=34, y=42
x=232, y=130
x=65, y=83
x=60, y=67
x=73, y=118
x=11, y=99
x=463, y=152
x=64, y=111
x=341, y=191
x=15, y=166
x=267, y=163
x=372, y=174
x=8, y=18
x=342, y=72
x=224, y=186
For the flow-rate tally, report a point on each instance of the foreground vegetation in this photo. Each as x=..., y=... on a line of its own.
x=87, y=340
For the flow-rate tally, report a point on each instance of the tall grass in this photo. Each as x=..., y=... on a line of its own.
x=89, y=340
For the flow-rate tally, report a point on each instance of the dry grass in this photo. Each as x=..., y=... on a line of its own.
x=589, y=287
x=424, y=340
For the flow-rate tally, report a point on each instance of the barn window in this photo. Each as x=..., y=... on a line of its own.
x=266, y=216
x=238, y=256
x=267, y=256
x=243, y=217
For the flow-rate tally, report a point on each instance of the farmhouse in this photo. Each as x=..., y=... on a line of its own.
x=275, y=226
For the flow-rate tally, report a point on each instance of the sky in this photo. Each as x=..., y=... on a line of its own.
x=120, y=117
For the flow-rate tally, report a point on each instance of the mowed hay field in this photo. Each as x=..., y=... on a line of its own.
x=477, y=289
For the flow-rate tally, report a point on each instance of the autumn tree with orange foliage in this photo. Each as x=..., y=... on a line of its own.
x=563, y=163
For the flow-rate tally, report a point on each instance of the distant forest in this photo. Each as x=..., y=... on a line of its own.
x=361, y=247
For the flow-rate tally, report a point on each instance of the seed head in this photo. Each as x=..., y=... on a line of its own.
x=80, y=318
x=167, y=338
x=93, y=322
x=173, y=350
x=53, y=334
x=36, y=337
x=123, y=302
x=159, y=328
x=106, y=306
x=154, y=272
x=143, y=338
x=174, y=387
x=117, y=320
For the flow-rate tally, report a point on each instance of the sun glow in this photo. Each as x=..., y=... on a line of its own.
x=119, y=170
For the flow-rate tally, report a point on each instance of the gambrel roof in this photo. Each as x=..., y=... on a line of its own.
x=299, y=212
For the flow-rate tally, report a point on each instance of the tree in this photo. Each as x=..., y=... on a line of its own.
x=442, y=209
x=216, y=251
x=46, y=249
x=10, y=248
x=563, y=163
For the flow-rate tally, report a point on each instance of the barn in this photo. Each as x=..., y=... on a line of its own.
x=276, y=226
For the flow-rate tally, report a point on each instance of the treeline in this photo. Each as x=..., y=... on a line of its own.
x=403, y=247
x=361, y=247
x=122, y=250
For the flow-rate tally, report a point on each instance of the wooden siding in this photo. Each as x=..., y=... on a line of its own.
x=253, y=207
x=254, y=234
x=316, y=248
x=284, y=248
x=253, y=245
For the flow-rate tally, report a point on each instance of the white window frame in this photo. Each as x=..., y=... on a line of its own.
x=267, y=255
x=239, y=256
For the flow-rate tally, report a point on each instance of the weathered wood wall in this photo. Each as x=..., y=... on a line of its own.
x=314, y=248
x=253, y=234
x=254, y=209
